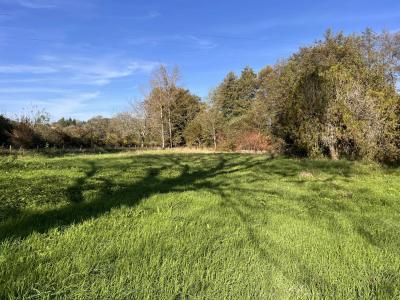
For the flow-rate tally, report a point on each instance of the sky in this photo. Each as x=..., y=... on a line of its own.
x=82, y=58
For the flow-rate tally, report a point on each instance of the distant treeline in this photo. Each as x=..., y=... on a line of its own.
x=335, y=98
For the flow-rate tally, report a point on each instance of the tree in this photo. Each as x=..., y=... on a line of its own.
x=206, y=128
x=66, y=122
x=141, y=121
x=247, y=86
x=213, y=120
x=96, y=130
x=225, y=96
x=163, y=85
x=184, y=108
x=121, y=130
x=24, y=136
x=333, y=98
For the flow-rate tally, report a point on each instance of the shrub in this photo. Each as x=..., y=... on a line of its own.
x=253, y=141
x=24, y=136
x=5, y=130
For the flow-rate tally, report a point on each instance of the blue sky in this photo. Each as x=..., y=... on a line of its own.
x=81, y=58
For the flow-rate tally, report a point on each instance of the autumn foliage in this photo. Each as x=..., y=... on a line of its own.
x=253, y=141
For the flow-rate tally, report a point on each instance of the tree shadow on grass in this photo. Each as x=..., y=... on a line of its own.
x=313, y=283
x=200, y=175
x=268, y=250
x=130, y=194
x=319, y=204
x=111, y=194
x=75, y=191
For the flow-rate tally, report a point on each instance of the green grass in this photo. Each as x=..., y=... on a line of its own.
x=199, y=226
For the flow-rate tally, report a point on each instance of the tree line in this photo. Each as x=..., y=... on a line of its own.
x=338, y=98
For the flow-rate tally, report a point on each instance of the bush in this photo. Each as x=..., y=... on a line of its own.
x=253, y=141
x=5, y=130
x=24, y=136
x=49, y=135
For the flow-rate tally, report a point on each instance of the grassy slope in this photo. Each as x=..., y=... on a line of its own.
x=197, y=226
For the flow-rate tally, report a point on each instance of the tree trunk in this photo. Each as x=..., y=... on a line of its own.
x=214, y=138
x=162, y=128
x=333, y=152
x=142, y=141
x=170, y=128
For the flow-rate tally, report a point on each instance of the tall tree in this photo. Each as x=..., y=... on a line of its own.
x=226, y=95
x=163, y=83
x=247, y=86
x=184, y=108
x=333, y=97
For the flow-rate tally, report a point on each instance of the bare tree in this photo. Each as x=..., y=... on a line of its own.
x=163, y=85
x=122, y=128
x=140, y=121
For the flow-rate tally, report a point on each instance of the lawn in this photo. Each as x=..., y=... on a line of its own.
x=162, y=225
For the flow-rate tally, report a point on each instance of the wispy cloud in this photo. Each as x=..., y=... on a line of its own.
x=35, y=4
x=102, y=71
x=71, y=105
x=149, y=15
x=189, y=40
x=31, y=90
x=50, y=4
x=82, y=70
x=32, y=69
x=63, y=84
x=201, y=42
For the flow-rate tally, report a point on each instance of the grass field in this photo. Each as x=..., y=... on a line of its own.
x=199, y=226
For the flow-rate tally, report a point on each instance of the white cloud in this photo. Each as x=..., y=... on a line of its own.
x=32, y=69
x=70, y=104
x=62, y=84
x=102, y=72
x=82, y=70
